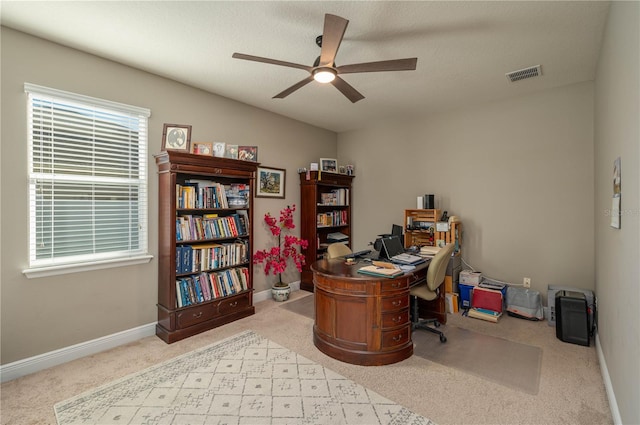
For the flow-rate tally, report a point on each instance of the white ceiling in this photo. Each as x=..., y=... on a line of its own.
x=464, y=48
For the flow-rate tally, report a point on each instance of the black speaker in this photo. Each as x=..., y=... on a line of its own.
x=429, y=203
x=572, y=317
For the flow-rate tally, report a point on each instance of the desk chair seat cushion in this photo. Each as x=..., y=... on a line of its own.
x=337, y=249
x=422, y=291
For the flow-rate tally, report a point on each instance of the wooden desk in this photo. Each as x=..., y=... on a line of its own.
x=362, y=319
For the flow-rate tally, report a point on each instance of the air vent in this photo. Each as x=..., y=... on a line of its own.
x=530, y=72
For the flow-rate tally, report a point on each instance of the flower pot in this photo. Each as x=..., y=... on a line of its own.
x=280, y=293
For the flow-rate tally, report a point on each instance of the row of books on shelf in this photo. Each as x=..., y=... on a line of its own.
x=208, y=286
x=335, y=197
x=210, y=226
x=333, y=218
x=209, y=194
x=192, y=259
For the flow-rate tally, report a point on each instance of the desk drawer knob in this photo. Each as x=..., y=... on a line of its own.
x=397, y=319
x=233, y=304
x=398, y=337
x=197, y=316
x=397, y=303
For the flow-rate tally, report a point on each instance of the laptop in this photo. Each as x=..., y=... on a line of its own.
x=393, y=250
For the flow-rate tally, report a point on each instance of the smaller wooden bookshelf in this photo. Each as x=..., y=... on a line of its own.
x=325, y=212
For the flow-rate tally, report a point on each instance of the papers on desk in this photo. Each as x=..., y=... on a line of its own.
x=429, y=250
x=374, y=270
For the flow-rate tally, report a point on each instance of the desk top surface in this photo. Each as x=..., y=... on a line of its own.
x=338, y=267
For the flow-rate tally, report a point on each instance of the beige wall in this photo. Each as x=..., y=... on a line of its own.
x=519, y=174
x=617, y=134
x=41, y=315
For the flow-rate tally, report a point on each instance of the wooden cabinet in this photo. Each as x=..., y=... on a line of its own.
x=325, y=208
x=204, y=243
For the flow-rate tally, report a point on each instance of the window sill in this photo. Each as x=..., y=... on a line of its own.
x=76, y=268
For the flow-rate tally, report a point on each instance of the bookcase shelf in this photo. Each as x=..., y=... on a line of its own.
x=322, y=194
x=205, y=272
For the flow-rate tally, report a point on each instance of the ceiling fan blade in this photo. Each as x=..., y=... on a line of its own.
x=408, y=64
x=346, y=89
x=293, y=88
x=271, y=61
x=334, y=28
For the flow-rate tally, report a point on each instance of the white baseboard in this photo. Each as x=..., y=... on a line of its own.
x=613, y=404
x=63, y=355
x=53, y=358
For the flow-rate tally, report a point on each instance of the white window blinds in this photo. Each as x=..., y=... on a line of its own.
x=88, y=179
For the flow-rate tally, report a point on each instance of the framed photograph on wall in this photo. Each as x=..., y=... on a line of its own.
x=617, y=194
x=271, y=182
x=176, y=137
x=329, y=164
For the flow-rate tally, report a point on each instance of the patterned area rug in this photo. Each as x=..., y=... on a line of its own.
x=244, y=379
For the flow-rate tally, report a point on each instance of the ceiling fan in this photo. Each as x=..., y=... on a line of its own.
x=324, y=70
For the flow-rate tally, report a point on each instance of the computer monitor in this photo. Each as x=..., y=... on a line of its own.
x=396, y=230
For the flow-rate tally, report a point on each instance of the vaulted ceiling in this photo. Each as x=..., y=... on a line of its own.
x=464, y=48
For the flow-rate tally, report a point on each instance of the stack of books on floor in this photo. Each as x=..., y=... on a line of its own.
x=486, y=304
x=484, y=314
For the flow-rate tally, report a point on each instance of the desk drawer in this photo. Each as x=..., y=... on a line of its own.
x=395, y=318
x=396, y=337
x=399, y=284
x=395, y=303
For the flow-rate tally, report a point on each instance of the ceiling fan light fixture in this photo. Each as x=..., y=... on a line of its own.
x=324, y=75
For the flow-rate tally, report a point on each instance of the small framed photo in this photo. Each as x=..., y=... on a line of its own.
x=329, y=164
x=248, y=153
x=218, y=149
x=231, y=151
x=342, y=169
x=176, y=137
x=271, y=182
x=202, y=148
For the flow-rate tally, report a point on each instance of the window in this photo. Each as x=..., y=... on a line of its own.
x=87, y=182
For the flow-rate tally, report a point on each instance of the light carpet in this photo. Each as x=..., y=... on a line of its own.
x=505, y=362
x=244, y=379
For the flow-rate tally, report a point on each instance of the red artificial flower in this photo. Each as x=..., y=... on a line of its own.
x=275, y=258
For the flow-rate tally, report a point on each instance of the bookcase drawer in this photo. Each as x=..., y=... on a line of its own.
x=395, y=303
x=394, y=319
x=194, y=315
x=233, y=304
x=396, y=337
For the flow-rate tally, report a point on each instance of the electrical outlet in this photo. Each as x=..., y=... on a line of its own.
x=526, y=282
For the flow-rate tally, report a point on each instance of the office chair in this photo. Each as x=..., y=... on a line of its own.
x=338, y=249
x=430, y=290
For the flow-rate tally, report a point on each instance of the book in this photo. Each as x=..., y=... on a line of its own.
x=374, y=270
x=484, y=314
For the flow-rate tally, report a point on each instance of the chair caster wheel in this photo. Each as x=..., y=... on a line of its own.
x=443, y=338
x=436, y=324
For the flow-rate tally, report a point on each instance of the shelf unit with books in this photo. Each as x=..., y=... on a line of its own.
x=325, y=212
x=204, y=243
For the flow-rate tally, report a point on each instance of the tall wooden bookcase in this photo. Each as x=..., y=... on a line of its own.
x=205, y=238
x=325, y=208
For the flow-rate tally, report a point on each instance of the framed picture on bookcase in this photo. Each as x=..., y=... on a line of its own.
x=271, y=182
x=176, y=137
x=329, y=164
